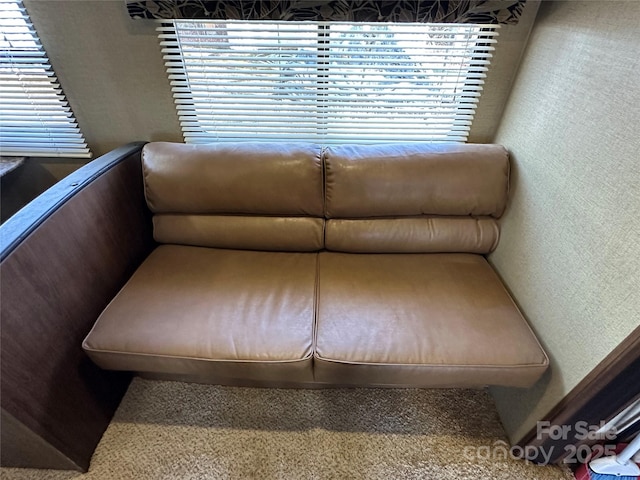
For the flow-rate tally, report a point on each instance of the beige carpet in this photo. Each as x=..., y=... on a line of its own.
x=168, y=430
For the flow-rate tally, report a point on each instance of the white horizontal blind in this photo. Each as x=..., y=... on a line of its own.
x=35, y=118
x=325, y=82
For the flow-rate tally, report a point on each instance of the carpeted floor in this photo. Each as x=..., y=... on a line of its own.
x=169, y=430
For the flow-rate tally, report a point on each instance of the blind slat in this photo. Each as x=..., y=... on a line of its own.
x=325, y=82
x=247, y=116
x=35, y=117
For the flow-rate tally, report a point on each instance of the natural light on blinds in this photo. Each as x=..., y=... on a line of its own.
x=35, y=118
x=325, y=82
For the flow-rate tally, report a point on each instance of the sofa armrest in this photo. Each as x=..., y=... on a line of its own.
x=62, y=259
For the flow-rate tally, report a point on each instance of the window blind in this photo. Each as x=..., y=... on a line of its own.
x=325, y=82
x=35, y=118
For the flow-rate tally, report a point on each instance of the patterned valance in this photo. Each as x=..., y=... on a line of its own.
x=420, y=11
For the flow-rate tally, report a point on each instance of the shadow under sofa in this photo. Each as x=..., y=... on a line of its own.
x=297, y=265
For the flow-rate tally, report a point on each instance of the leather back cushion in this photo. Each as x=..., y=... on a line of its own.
x=415, y=197
x=283, y=234
x=378, y=199
x=413, y=235
x=416, y=179
x=257, y=196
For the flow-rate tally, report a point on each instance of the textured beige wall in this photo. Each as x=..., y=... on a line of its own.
x=112, y=71
x=570, y=247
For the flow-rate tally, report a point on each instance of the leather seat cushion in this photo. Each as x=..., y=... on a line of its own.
x=420, y=320
x=224, y=313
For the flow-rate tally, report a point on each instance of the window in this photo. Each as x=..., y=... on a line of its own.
x=35, y=118
x=325, y=82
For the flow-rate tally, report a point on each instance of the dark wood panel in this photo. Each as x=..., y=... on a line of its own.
x=23, y=448
x=604, y=392
x=55, y=282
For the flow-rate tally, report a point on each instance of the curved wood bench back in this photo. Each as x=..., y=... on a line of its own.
x=63, y=258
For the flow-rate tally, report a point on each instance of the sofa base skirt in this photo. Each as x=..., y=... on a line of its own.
x=292, y=384
x=243, y=382
x=234, y=381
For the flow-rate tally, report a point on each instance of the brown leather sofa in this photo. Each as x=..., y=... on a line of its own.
x=296, y=265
